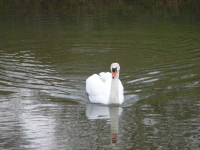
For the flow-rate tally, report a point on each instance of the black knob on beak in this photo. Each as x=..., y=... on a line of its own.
x=114, y=69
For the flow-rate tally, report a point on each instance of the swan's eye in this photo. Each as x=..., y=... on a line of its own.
x=114, y=69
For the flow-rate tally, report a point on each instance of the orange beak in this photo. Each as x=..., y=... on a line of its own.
x=114, y=74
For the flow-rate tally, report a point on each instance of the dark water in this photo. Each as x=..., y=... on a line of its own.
x=46, y=57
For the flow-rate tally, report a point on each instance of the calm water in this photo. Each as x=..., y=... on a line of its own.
x=45, y=59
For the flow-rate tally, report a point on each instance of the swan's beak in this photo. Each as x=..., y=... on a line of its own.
x=114, y=72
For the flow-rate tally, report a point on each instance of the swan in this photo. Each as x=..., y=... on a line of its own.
x=106, y=88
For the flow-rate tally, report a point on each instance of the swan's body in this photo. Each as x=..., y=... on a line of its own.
x=106, y=88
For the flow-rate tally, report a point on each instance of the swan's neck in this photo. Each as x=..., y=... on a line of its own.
x=114, y=92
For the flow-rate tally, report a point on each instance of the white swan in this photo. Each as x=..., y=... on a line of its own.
x=106, y=88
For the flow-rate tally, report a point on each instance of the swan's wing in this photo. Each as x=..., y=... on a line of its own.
x=105, y=76
x=121, y=92
x=94, y=85
x=96, y=89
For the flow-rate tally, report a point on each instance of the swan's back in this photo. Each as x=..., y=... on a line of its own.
x=97, y=88
x=105, y=76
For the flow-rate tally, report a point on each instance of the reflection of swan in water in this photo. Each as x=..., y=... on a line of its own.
x=94, y=111
x=114, y=111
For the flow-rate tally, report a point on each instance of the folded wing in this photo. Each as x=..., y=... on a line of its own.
x=97, y=89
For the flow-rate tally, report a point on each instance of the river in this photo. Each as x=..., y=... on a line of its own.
x=46, y=56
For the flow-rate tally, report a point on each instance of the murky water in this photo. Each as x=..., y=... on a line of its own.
x=45, y=59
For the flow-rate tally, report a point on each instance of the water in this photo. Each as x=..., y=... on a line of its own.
x=46, y=56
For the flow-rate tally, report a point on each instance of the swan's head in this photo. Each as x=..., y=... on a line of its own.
x=115, y=70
